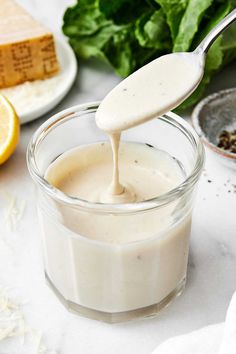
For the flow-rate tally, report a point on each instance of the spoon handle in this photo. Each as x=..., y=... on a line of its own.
x=215, y=32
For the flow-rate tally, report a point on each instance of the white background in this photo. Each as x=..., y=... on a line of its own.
x=212, y=263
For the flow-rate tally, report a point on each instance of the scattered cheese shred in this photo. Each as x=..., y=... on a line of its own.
x=11, y=318
x=13, y=324
x=14, y=211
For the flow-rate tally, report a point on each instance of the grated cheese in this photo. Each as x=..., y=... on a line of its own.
x=30, y=96
x=12, y=320
x=13, y=324
x=14, y=211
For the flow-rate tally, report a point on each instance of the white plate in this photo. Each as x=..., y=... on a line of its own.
x=40, y=103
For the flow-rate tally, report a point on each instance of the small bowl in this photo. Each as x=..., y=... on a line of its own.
x=211, y=116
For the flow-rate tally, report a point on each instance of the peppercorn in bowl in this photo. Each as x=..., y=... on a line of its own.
x=214, y=119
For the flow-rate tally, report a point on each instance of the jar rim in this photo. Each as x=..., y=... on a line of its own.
x=126, y=208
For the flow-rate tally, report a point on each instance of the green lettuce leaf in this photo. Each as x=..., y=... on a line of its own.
x=93, y=45
x=88, y=29
x=118, y=51
x=152, y=31
x=174, y=10
x=84, y=19
x=189, y=24
x=125, y=54
x=123, y=11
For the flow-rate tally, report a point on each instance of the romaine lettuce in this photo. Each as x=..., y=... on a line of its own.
x=128, y=34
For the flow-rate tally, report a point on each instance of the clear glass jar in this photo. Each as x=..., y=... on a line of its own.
x=107, y=281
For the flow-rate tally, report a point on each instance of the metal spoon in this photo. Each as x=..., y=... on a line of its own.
x=204, y=46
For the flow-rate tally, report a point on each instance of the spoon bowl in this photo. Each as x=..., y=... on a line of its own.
x=151, y=91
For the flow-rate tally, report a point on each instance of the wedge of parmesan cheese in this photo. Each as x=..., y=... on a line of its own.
x=27, y=50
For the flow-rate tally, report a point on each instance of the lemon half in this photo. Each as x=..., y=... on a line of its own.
x=9, y=129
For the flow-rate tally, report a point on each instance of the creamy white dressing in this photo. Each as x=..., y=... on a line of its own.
x=149, y=92
x=122, y=262
x=86, y=171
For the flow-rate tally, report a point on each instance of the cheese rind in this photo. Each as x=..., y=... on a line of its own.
x=27, y=50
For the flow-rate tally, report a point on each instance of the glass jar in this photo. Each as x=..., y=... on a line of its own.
x=108, y=281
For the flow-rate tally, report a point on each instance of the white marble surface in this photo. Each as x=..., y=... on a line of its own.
x=212, y=263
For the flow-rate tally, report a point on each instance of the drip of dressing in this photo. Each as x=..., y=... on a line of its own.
x=149, y=92
x=116, y=192
x=115, y=187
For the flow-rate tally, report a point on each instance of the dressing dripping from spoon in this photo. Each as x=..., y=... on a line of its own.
x=149, y=92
